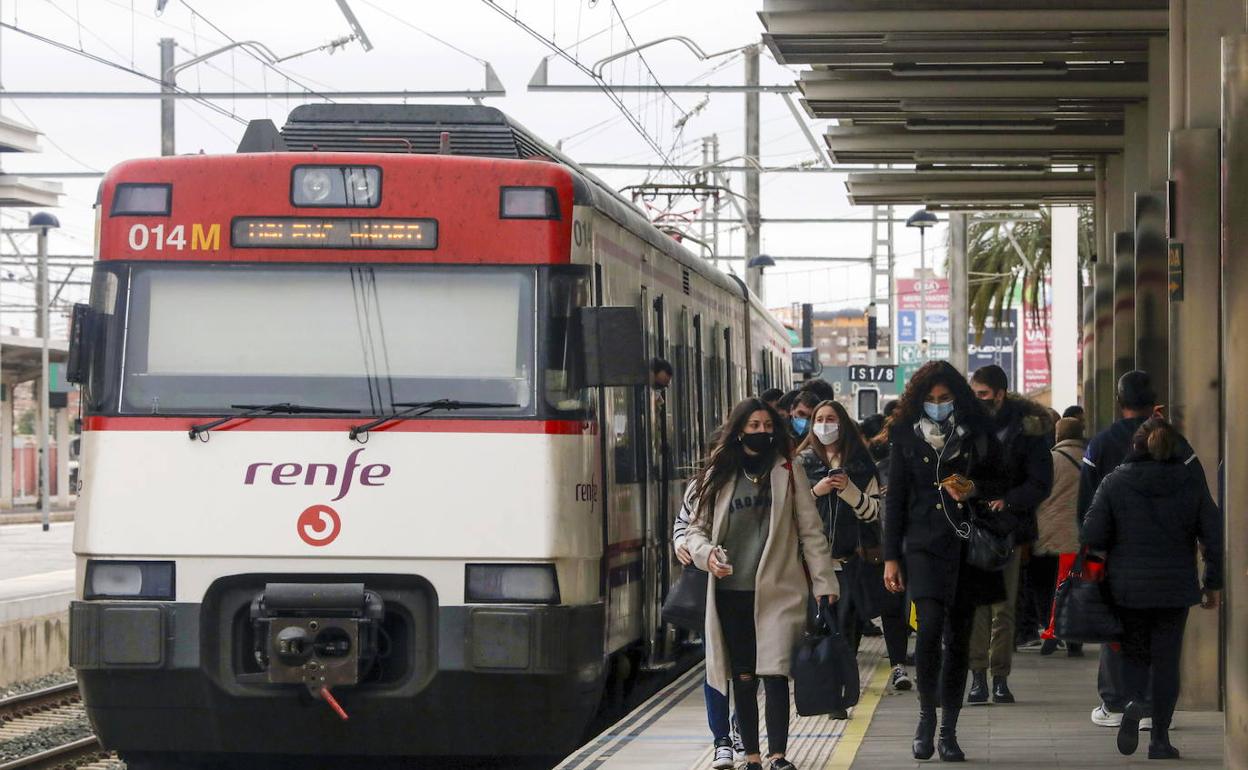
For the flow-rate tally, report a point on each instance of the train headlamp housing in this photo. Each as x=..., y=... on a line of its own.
x=528, y=203
x=336, y=186
x=129, y=580
x=142, y=199
x=511, y=584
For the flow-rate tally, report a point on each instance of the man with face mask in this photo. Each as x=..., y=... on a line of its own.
x=801, y=412
x=1025, y=431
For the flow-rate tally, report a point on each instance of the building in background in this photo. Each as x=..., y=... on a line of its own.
x=839, y=335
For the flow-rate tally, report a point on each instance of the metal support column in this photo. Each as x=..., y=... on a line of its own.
x=167, y=44
x=1124, y=304
x=1103, y=299
x=41, y=425
x=959, y=292
x=1152, y=303
x=1234, y=384
x=753, y=275
x=1064, y=336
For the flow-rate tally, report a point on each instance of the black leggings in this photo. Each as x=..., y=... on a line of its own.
x=942, y=677
x=1152, y=642
x=863, y=596
x=736, y=620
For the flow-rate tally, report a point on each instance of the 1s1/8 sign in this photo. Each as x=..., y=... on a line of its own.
x=864, y=373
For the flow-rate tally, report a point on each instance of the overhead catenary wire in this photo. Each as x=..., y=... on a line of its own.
x=601, y=83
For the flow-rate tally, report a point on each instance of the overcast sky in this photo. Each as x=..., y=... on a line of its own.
x=94, y=135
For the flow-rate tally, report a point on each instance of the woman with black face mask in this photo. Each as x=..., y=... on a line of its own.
x=754, y=522
x=945, y=456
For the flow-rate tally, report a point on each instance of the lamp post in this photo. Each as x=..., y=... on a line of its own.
x=922, y=219
x=761, y=263
x=42, y=222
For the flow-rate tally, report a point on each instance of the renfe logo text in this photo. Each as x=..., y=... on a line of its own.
x=327, y=474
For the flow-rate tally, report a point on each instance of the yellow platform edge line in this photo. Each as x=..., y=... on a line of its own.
x=856, y=729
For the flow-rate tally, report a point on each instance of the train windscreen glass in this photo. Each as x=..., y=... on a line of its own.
x=201, y=338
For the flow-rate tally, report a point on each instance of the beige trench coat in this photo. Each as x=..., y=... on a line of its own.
x=781, y=591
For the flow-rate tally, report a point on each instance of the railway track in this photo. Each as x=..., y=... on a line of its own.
x=21, y=716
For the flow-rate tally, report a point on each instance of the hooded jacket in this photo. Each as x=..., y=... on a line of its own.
x=1108, y=449
x=1025, y=431
x=1149, y=516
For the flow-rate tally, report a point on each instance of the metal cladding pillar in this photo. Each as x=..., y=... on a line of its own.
x=41, y=427
x=959, y=293
x=167, y=44
x=1234, y=386
x=1124, y=304
x=1103, y=300
x=1152, y=301
x=753, y=275
x=1087, y=373
x=62, y=458
x=1064, y=333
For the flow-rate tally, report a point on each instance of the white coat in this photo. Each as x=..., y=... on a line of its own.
x=781, y=590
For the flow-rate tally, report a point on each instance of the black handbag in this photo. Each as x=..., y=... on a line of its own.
x=1082, y=609
x=987, y=549
x=824, y=669
x=685, y=606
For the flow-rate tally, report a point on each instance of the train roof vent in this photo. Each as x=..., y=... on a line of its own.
x=684, y=279
x=404, y=128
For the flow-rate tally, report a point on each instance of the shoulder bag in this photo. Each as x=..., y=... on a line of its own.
x=1082, y=610
x=685, y=606
x=824, y=670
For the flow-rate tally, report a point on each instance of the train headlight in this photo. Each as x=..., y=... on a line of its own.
x=336, y=186
x=528, y=203
x=511, y=584
x=129, y=580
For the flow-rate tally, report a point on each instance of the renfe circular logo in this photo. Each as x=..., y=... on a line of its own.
x=319, y=525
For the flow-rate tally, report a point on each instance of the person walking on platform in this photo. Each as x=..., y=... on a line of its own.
x=754, y=524
x=846, y=489
x=945, y=458
x=1058, y=526
x=1025, y=431
x=1149, y=515
x=1137, y=401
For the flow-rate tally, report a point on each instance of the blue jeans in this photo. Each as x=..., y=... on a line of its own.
x=716, y=711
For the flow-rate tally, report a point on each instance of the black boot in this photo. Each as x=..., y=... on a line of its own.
x=925, y=734
x=948, y=747
x=978, y=695
x=1129, y=729
x=1159, y=746
x=1001, y=691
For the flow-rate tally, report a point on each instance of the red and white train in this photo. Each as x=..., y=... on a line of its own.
x=367, y=430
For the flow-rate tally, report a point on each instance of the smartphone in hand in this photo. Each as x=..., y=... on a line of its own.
x=721, y=556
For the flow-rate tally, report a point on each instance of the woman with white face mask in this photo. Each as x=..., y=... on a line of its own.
x=846, y=488
x=945, y=458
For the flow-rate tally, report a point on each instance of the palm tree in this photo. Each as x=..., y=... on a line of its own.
x=1004, y=254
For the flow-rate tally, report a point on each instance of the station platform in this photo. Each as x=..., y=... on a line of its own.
x=1049, y=726
x=36, y=587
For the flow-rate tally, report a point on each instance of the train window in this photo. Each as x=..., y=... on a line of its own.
x=699, y=390
x=715, y=391
x=565, y=292
x=728, y=364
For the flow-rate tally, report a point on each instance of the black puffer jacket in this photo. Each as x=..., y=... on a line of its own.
x=1149, y=515
x=845, y=526
x=1025, y=431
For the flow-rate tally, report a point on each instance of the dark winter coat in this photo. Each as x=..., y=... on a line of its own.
x=1109, y=448
x=848, y=528
x=1149, y=516
x=920, y=518
x=1025, y=431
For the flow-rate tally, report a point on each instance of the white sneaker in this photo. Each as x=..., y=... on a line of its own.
x=1106, y=718
x=1146, y=723
x=723, y=756
x=734, y=735
x=900, y=680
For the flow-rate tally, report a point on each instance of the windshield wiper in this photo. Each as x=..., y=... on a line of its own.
x=251, y=410
x=418, y=408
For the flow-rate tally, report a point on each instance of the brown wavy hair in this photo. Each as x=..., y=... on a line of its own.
x=727, y=456
x=966, y=407
x=1157, y=439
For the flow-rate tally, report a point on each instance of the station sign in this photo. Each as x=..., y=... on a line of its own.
x=867, y=373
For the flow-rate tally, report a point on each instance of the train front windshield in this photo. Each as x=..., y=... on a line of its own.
x=200, y=339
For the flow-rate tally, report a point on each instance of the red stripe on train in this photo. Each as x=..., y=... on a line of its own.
x=337, y=424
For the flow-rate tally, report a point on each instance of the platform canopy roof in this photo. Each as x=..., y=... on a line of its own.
x=976, y=87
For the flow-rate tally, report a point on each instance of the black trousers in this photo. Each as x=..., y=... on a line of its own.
x=942, y=654
x=1152, y=643
x=736, y=620
x=1042, y=577
x=863, y=597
